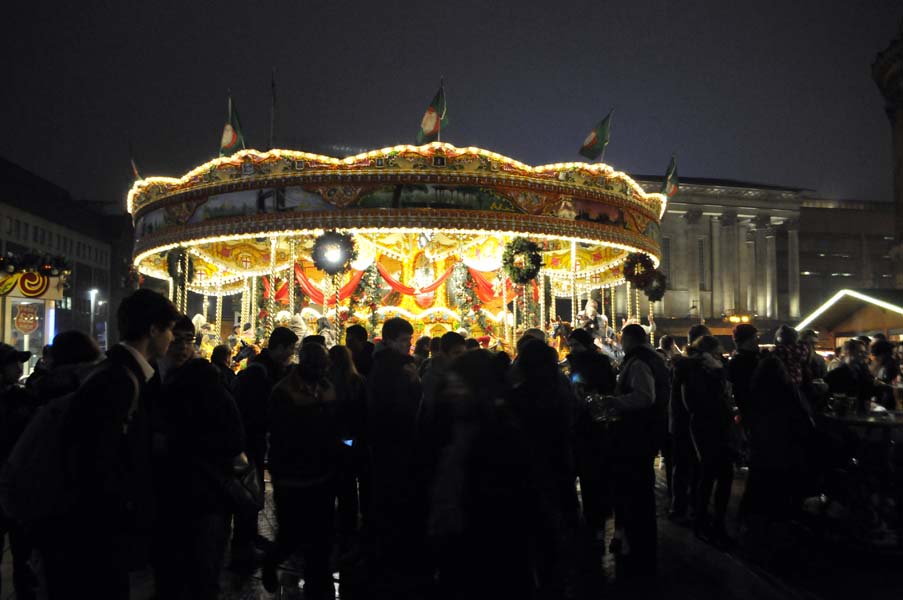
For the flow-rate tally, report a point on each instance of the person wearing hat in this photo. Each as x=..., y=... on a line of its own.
x=16, y=409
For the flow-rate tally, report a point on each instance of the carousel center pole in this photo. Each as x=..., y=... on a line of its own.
x=573, y=283
x=291, y=278
x=219, y=311
x=542, y=300
x=204, y=307
x=252, y=316
x=271, y=303
x=337, y=284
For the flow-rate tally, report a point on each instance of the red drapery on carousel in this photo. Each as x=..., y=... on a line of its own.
x=409, y=291
x=315, y=294
x=281, y=293
x=486, y=291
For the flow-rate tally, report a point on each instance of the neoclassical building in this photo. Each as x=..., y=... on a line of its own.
x=764, y=253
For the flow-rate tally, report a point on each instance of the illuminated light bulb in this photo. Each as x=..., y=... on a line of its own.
x=333, y=254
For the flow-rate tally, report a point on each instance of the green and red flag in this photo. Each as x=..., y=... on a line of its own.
x=232, y=140
x=594, y=145
x=671, y=183
x=434, y=120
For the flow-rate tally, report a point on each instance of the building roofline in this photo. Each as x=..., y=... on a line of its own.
x=714, y=182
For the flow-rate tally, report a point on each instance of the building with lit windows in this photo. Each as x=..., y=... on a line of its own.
x=39, y=217
x=742, y=252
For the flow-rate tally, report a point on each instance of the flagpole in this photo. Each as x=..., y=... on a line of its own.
x=273, y=109
x=444, y=105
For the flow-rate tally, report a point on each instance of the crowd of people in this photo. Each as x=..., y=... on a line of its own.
x=447, y=472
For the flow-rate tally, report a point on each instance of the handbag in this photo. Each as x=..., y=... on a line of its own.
x=241, y=487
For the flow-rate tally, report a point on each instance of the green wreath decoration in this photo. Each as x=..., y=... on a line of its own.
x=655, y=289
x=522, y=260
x=174, y=261
x=328, y=243
x=638, y=270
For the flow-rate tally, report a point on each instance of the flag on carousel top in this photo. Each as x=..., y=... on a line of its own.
x=594, y=145
x=232, y=140
x=135, y=170
x=671, y=183
x=434, y=119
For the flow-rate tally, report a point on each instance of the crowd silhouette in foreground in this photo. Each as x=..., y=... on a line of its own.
x=450, y=472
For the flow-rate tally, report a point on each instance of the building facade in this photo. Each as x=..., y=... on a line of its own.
x=764, y=254
x=37, y=216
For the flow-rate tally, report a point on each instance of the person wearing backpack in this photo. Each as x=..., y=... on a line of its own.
x=16, y=408
x=108, y=436
x=305, y=461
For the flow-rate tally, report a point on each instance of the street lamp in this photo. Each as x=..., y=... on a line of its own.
x=93, y=294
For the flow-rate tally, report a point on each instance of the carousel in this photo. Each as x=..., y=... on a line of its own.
x=448, y=238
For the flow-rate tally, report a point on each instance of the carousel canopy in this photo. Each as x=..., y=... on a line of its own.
x=413, y=211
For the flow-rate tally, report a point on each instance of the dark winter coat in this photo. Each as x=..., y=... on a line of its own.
x=203, y=433
x=253, y=387
x=305, y=436
x=111, y=454
x=740, y=371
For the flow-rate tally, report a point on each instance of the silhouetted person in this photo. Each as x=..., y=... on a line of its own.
x=74, y=355
x=201, y=436
x=486, y=512
x=351, y=414
x=252, y=392
x=592, y=373
x=545, y=407
x=778, y=432
x=361, y=348
x=742, y=365
x=109, y=431
x=221, y=358
x=686, y=464
x=395, y=530
x=16, y=409
x=640, y=399
x=706, y=399
x=305, y=462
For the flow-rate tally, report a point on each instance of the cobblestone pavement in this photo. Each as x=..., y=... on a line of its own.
x=688, y=569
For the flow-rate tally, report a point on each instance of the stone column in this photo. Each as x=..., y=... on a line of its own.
x=793, y=268
x=717, y=258
x=762, y=223
x=693, y=300
x=749, y=270
x=730, y=265
x=771, y=274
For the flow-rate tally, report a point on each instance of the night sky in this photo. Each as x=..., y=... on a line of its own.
x=770, y=92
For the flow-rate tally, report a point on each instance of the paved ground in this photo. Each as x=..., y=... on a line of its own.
x=806, y=569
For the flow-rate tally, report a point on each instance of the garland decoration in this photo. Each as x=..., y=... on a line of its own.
x=638, y=270
x=655, y=289
x=466, y=299
x=45, y=264
x=368, y=294
x=522, y=260
x=333, y=251
x=175, y=258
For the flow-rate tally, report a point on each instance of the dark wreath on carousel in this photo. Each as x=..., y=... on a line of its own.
x=522, y=260
x=638, y=270
x=655, y=289
x=176, y=260
x=333, y=251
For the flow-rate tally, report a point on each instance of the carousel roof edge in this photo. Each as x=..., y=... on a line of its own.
x=435, y=147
